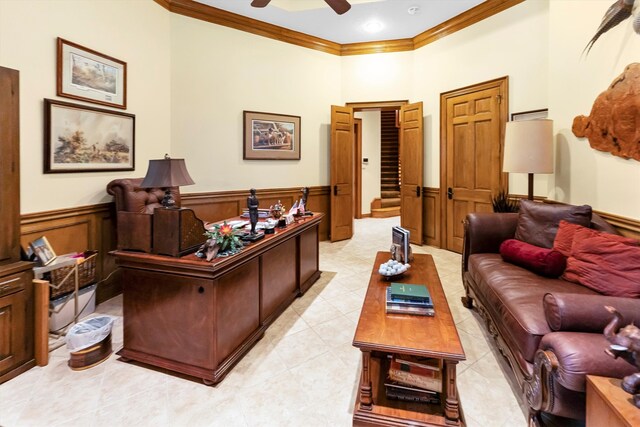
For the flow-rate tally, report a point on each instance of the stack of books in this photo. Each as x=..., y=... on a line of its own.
x=414, y=379
x=403, y=298
x=262, y=213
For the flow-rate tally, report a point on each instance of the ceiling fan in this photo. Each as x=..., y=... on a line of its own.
x=338, y=6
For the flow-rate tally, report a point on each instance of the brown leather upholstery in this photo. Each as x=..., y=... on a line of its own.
x=522, y=307
x=566, y=311
x=134, y=210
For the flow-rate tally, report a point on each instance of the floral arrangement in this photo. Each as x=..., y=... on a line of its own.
x=222, y=240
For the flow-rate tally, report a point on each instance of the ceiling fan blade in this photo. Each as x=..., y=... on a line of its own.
x=339, y=6
x=260, y=3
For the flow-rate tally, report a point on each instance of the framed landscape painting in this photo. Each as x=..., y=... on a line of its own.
x=86, y=139
x=270, y=136
x=91, y=76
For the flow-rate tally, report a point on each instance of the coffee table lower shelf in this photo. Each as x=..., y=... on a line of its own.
x=392, y=412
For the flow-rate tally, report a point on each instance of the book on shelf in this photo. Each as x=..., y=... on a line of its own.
x=420, y=362
x=423, y=378
x=398, y=391
x=402, y=302
x=262, y=213
x=410, y=292
x=431, y=371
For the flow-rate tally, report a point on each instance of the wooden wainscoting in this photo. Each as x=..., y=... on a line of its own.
x=431, y=216
x=76, y=230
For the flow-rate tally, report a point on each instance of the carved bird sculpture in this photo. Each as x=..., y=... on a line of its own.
x=619, y=11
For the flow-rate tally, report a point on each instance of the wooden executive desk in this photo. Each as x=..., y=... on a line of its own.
x=199, y=318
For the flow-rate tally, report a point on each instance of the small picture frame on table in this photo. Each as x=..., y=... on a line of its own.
x=43, y=250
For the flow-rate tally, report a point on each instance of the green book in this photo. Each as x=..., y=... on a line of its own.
x=410, y=292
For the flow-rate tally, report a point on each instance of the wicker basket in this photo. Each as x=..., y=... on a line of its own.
x=62, y=279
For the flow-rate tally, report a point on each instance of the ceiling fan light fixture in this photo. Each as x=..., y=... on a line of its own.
x=373, y=26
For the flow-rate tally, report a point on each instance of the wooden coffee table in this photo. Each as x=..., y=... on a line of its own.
x=379, y=334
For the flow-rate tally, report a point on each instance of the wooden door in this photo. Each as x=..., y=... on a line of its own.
x=411, y=161
x=342, y=172
x=472, y=125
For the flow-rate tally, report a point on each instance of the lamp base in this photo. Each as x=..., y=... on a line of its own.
x=168, y=201
x=530, y=187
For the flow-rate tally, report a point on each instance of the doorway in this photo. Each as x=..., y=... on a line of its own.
x=472, y=123
x=346, y=159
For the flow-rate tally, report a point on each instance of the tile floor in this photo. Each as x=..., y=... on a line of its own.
x=304, y=372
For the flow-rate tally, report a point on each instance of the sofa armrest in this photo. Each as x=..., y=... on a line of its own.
x=586, y=312
x=579, y=354
x=484, y=232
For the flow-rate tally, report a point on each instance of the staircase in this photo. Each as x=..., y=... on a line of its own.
x=389, y=203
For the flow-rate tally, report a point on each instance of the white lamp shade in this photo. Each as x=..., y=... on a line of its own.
x=528, y=146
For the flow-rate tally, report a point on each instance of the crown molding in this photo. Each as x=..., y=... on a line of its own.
x=217, y=16
x=472, y=16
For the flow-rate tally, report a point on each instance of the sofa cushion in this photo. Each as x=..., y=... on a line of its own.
x=567, y=232
x=538, y=222
x=513, y=296
x=547, y=262
x=606, y=263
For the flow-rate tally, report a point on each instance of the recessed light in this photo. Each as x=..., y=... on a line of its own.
x=373, y=26
x=413, y=10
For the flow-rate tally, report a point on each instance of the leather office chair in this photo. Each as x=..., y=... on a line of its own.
x=134, y=210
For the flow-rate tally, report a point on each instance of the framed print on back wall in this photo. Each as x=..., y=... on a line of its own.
x=91, y=76
x=269, y=136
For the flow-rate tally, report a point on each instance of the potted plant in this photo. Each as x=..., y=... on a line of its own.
x=222, y=240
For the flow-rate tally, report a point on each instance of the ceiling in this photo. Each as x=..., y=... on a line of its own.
x=315, y=18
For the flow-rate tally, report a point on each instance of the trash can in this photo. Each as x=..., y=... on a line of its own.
x=89, y=342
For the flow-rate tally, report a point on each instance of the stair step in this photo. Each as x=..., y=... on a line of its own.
x=389, y=203
x=389, y=194
x=385, y=212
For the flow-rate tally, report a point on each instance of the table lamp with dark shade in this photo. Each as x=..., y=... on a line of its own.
x=166, y=173
x=528, y=148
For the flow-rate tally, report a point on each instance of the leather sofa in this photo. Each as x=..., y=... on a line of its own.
x=549, y=329
x=134, y=212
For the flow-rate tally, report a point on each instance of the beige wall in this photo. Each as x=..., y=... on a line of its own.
x=584, y=175
x=189, y=82
x=370, y=150
x=137, y=32
x=218, y=72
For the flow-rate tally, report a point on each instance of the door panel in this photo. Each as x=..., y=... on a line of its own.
x=411, y=159
x=473, y=122
x=342, y=173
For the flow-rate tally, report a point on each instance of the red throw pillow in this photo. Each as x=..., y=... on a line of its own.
x=543, y=261
x=568, y=233
x=605, y=263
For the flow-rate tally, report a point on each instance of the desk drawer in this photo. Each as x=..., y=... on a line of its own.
x=13, y=283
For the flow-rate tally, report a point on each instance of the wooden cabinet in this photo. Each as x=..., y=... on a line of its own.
x=16, y=289
x=199, y=318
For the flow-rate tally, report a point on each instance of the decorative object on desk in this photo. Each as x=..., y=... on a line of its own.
x=277, y=210
x=392, y=269
x=43, y=250
x=400, y=247
x=176, y=231
x=166, y=173
x=303, y=202
x=78, y=138
x=252, y=205
x=271, y=136
x=270, y=225
x=226, y=237
x=91, y=76
x=625, y=343
x=502, y=203
x=528, y=148
x=611, y=126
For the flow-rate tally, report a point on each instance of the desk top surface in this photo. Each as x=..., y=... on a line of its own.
x=426, y=336
x=192, y=262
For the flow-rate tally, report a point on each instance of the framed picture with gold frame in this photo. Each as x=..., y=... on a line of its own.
x=269, y=136
x=91, y=76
